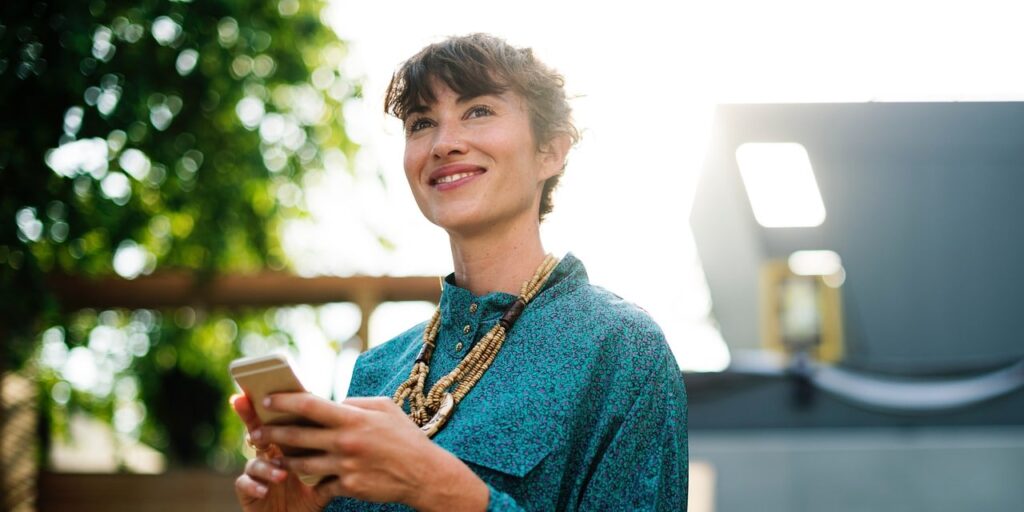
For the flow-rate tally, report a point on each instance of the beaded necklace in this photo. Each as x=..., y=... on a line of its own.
x=431, y=411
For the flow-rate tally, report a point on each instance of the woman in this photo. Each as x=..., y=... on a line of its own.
x=553, y=394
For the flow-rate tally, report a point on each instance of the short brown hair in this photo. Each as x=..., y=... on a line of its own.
x=481, y=64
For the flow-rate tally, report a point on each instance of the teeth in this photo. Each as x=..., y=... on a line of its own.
x=454, y=177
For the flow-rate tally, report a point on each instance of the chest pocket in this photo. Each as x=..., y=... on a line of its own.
x=500, y=432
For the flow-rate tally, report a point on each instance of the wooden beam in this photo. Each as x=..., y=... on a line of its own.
x=193, y=490
x=170, y=289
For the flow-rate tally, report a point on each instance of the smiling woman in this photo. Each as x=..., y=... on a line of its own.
x=472, y=163
x=529, y=388
x=495, y=108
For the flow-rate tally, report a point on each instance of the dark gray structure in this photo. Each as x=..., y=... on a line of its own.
x=924, y=206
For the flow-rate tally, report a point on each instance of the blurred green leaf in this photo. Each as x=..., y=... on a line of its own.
x=139, y=136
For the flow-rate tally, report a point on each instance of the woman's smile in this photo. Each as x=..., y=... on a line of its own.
x=454, y=175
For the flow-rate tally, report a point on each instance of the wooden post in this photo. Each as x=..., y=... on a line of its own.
x=18, y=443
x=367, y=303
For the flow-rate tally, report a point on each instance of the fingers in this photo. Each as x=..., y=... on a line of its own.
x=314, y=465
x=265, y=470
x=373, y=403
x=243, y=407
x=249, y=490
x=310, y=406
x=259, y=474
x=297, y=437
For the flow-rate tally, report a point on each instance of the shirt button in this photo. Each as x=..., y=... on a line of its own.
x=472, y=307
x=458, y=347
x=466, y=329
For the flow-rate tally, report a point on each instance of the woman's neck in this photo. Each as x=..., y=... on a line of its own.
x=497, y=262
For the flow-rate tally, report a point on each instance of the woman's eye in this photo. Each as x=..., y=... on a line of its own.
x=418, y=125
x=479, y=111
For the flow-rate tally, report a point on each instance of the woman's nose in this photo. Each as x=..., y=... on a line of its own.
x=448, y=141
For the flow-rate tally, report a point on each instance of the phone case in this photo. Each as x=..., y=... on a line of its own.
x=263, y=375
x=260, y=376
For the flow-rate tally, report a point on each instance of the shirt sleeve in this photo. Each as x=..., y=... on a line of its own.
x=501, y=502
x=645, y=466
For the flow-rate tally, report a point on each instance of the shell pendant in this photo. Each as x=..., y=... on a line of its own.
x=444, y=411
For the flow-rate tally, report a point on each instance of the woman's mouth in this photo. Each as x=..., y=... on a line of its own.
x=451, y=178
x=455, y=177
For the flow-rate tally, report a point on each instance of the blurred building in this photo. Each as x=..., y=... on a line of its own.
x=865, y=264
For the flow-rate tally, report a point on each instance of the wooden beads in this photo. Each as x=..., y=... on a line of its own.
x=431, y=411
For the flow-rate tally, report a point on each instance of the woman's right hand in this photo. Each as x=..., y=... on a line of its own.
x=265, y=487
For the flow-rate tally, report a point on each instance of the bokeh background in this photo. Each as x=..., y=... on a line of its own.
x=816, y=200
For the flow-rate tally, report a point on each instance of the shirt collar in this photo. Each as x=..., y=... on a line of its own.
x=567, y=275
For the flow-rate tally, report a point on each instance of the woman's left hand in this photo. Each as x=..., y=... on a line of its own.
x=375, y=452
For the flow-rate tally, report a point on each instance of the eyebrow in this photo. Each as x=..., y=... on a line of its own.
x=418, y=109
x=421, y=108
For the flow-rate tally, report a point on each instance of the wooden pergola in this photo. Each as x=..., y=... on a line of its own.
x=199, y=489
x=173, y=289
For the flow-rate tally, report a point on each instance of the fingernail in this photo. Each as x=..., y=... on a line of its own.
x=266, y=402
x=261, y=489
x=276, y=462
x=277, y=474
x=257, y=435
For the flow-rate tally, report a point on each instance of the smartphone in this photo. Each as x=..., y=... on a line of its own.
x=260, y=376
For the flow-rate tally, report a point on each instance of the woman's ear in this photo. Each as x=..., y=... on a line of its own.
x=553, y=153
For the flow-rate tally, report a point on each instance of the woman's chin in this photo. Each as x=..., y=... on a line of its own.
x=464, y=223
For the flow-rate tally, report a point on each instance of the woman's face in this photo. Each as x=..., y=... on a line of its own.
x=473, y=164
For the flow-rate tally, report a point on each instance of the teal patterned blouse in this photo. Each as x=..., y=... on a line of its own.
x=583, y=408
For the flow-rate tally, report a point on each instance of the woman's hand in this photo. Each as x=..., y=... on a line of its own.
x=265, y=486
x=371, y=451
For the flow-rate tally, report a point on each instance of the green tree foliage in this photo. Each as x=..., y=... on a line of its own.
x=155, y=134
x=172, y=130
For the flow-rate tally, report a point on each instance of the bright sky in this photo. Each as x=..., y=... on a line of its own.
x=648, y=76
